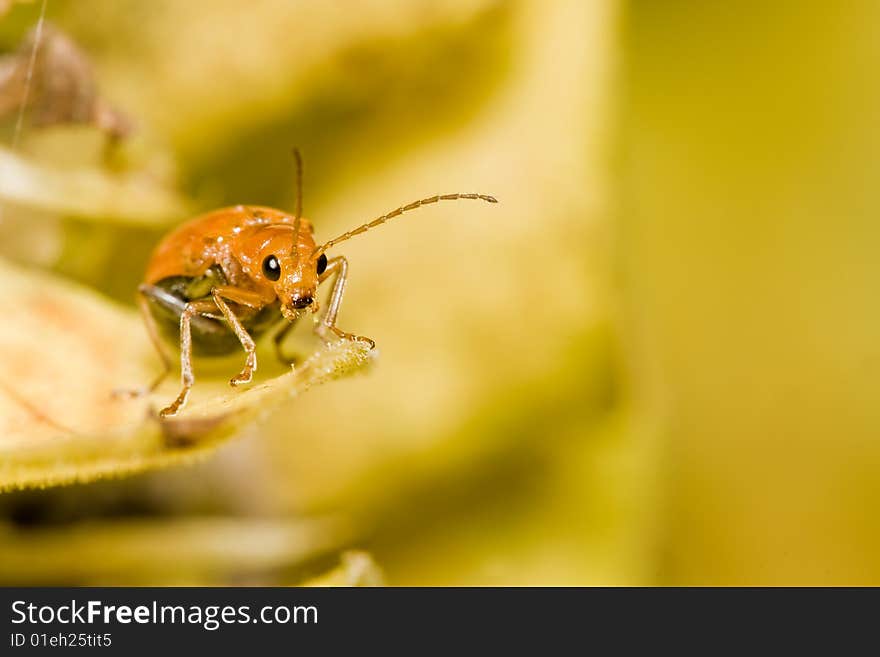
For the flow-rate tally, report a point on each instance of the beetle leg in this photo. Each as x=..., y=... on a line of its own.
x=237, y=295
x=153, y=332
x=186, y=370
x=145, y=293
x=327, y=325
x=278, y=338
x=247, y=342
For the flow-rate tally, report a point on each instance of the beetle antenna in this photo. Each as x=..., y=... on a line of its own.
x=297, y=213
x=299, y=185
x=399, y=211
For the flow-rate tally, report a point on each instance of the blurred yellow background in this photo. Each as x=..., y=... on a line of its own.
x=749, y=226
x=651, y=363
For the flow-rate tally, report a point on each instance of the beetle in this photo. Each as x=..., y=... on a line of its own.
x=223, y=279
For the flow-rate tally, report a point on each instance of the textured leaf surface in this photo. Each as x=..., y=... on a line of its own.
x=64, y=350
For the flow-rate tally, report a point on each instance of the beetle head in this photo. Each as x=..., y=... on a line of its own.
x=278, y=258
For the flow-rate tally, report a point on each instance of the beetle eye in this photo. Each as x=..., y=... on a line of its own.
x=322, y=263
x=271, y=268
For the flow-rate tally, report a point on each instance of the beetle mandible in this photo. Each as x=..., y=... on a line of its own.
x=224, y=278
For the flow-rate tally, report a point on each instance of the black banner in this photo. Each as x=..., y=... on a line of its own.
x=330, y=621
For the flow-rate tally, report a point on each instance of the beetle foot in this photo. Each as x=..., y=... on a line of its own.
x=327, y=334
x=241, y=378
x=246, y=375
x=175, y=406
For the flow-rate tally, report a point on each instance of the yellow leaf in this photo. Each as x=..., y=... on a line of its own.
x=356, y=568
x=186, y=551
x=65, y=349
x=86, y=192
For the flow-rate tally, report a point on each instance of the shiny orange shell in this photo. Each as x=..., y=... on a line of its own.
x=237, y=239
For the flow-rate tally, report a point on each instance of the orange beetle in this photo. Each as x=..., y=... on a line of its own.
x=224, y=278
